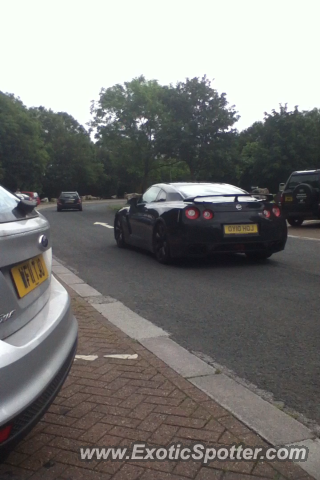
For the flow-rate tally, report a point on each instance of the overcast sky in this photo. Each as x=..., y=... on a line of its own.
x=59, y=54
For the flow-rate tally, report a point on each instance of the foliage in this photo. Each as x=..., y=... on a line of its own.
x=127, y=121
x=72, y=161
x=286, y=141
x=23, y=156
x=197, y=129
x=152, y=133
x=147, y=133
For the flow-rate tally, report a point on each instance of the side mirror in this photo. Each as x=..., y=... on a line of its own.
x=281, y=187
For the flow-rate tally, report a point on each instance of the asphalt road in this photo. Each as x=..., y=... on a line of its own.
x=260, y=320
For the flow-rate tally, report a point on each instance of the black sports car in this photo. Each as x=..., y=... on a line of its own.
x=196, y=219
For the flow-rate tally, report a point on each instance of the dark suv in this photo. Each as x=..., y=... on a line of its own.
x=69, y=201
x=300, y=197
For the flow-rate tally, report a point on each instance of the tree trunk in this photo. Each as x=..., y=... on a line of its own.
x=144, y=183
x=192, y=173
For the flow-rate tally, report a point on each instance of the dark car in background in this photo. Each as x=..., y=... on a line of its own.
x=300, y=197
x=38, y=332
x=197, y=219
x=69, y=201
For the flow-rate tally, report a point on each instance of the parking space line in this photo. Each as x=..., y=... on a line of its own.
x=103, y=224
x=304, y=238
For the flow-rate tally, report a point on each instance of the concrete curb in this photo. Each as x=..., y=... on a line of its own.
x=273, y=425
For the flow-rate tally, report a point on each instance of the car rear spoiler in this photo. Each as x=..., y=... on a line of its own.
x=258, y=196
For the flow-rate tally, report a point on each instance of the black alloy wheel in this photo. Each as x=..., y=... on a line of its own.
x=161, y=247
x=118, y=233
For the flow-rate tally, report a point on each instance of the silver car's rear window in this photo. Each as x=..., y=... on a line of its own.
x=69, y=195
x=8, y=207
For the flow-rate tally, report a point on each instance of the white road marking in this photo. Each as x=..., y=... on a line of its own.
x=103, y=224
x=123, y=356
x=90, y=358
x=305, y=238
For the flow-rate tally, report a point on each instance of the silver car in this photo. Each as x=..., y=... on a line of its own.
x=38, y=332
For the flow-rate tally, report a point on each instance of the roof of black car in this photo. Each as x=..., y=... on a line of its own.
x=307, y=171
x=180, y=184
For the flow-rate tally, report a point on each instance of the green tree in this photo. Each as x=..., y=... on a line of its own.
x=284, y=142
x=23, y=156
x=72, y=161
x=197, y=129
x=127, y=121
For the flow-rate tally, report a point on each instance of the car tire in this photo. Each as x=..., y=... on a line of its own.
x=161, y=246
x=80, y=209
x=58, y=209
x=295, y=222
x=258, y=255
x=119, y=233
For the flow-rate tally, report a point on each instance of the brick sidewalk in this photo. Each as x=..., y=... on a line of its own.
x=111, y=402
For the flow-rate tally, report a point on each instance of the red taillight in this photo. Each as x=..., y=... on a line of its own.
x=192, y=213
x=276, y=211
x=207, y=214
x=4, y=433
x=266, y=213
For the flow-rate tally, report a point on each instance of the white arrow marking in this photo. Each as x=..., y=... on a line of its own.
x=124, y=356
x=90, y=358
x=103, y=224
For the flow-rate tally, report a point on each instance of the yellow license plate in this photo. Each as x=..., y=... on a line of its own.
x=248, y=229
x=29, y=275
x=288, y=198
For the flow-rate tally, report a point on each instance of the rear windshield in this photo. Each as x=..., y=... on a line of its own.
x=69, y=195
x=215, y=189
x=8, y=207
x=311, y=179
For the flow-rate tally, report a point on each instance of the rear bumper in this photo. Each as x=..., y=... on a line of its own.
x=191, y=242
x=34, y=363
x=203, y=249
x=73, y=206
